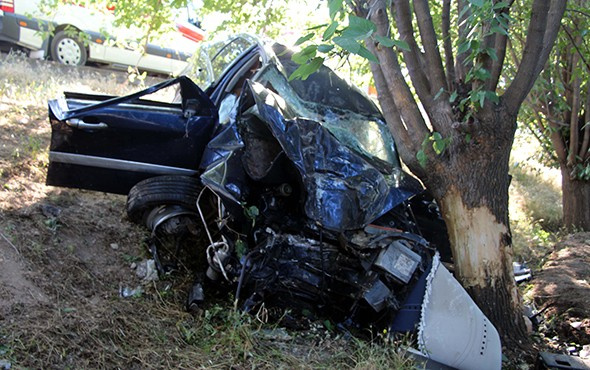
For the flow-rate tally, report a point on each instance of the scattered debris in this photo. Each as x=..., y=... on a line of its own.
x=547, y=360
x=521, y=272
x=49, y=210
x=146, y=270
x=126, y=292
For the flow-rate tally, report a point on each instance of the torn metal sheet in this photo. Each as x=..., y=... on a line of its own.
x=452, y=329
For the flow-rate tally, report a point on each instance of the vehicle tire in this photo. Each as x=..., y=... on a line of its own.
x=162, y=190
x=67, y=49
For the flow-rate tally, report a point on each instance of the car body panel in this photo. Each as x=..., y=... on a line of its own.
x=109, y=144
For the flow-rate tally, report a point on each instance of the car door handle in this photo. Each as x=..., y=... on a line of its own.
x=78, y=123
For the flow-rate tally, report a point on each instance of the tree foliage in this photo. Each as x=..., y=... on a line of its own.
x=558, y=111
x=265, y=17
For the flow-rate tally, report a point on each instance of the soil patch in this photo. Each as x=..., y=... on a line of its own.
x=562, y=290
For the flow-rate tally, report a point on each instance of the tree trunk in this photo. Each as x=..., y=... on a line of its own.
x=576, y=202
x=483, y=244
x=474, y=204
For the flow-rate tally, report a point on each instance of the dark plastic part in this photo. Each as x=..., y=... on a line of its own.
x=546, y=360
x=196, y=296
x=408, y=316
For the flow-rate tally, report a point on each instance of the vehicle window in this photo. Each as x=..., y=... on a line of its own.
x=325, y=87
x=211, y=60
x=222, y=55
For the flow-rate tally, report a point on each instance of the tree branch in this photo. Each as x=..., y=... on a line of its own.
x=430, y=43
x=405, y=146
x=461, y=67
x=500, y=46
x=546, y=147
x=575, y=111
x=584, y=154
x=396, y=84
x=541, y=33
x=448, y=45
x=412, y=57
x=569, y=36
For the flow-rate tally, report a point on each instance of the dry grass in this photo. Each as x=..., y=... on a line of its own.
x=535, y=201
x=69, y=313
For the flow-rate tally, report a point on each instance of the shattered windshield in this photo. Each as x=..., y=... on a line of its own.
x=340, y=107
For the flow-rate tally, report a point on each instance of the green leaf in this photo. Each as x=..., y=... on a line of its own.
x=467, y=138
x=402, y=44
x=491, y=95
x=334, y=6
x=453, y=96
x=365, y=53
x=501, y=5
x=492, y=53
x=478, y=3
x=348, y=44
x=304, y=55
x=302, y=39
x=241, y=248
x=385, y=41
x=482, y=98
x=482, y=74
x=464, y=47
x=498, y=29
x=251, y=212
x=316, y=27
x=329, y=32
x=324, y=48
x=358, y=28
x=438, y=94
x=305, y=70
x=436, y=136
x=421, y=157
x=438, y=146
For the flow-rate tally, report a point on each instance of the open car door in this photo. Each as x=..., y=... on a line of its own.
x=109, y=143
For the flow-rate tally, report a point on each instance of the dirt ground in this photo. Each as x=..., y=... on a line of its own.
x=562, y=291
x=66, y=254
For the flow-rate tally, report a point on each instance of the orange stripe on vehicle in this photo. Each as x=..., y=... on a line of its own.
x=23, y=23
x=189, y=33
x=168, y=55
x=98, y=41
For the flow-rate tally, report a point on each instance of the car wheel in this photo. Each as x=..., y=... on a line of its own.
x=162, y=190
x=68, y=49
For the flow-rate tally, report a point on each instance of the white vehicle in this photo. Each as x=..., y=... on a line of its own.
x=23, y=23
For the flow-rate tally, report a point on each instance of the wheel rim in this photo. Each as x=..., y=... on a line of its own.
x=69, y=52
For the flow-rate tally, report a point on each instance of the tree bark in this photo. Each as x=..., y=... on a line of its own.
x=474, y=205
x=576, y=202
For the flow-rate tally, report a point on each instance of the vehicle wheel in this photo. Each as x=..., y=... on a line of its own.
x=162, y=190
x=68, y=49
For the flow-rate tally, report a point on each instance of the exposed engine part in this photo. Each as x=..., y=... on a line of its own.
x=217, y=254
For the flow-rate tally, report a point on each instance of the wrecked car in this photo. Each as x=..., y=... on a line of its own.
x=295, y=186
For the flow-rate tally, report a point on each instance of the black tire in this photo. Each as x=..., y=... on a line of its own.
x=162, y=190
x=69, y=50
